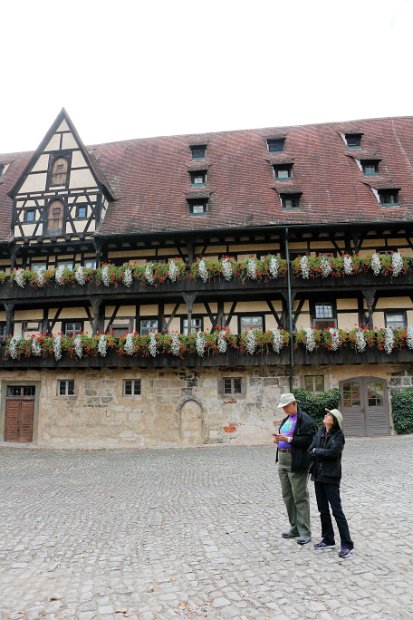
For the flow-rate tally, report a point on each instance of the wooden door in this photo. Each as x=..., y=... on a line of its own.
x=365, y=407
x=19, y=414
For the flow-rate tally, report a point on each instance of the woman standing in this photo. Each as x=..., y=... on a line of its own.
x=325, y=452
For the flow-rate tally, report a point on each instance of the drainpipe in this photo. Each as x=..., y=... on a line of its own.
x=290, y=309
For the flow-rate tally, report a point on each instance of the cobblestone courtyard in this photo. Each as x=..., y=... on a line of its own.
x=195, y=533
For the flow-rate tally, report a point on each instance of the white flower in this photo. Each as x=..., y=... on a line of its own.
x=277, y=340
x=221, y=342
x=348, y=265
x=57, y=347
x=152, y=344
x=274, y=267
x=388, y=340
x=200, y=343
x=78, y=346
x=409, y=337
x=40, y=279
x=375, y=264
x=175, y=344
x=325, y=267
x=129, y=345
x=80, y=276
x=397, y=263
x=335, y=338
x=305, y=269
x=106, y=275
x=226, y=269
x=310, y=343
x=173, y=271
x=59, y=273
x=19, y=278
x=203, y=270
x=127, y=277
x=251, y=342
x=252, y=268
x=36, y=349
x=149, y=273
x=360, y=341
x=102, y=345
x=13, y=347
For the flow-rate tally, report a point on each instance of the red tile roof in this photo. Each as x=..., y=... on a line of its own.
x=150, y=178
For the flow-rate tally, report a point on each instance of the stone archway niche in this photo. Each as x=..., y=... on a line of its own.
x=191, y=422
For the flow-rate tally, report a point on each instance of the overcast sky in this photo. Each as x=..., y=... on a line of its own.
x=138, y=68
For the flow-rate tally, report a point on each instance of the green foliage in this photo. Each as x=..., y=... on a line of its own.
x=315, y=403
x=402, y=410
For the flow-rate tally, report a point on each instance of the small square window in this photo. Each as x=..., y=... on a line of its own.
x=290, y=201
x=29, y=215
x=90, y=263
x=324, y=316
x=198, y=179
x=39, y=267
x=353, y=140
x=232, y=385
x=276, y=145
x=251, y=322
x=198, y=151
x=71, y=328
x=370, y=167
x=198, y=207
x=66, y=264
x=131, y=387
x=389, y=197
x=314, y=383
x=283, y=172
x=66, y=387
x=3, y=170
x=197, y=325
x=81, y=212
x=395, y=319
x=148, y=326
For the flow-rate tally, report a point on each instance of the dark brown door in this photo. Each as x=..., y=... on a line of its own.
x=19, y=414
x=365, y=408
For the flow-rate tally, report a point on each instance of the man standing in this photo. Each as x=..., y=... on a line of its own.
x=293, y=439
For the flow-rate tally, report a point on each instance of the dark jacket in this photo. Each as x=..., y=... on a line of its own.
x=325, y=454
x=302, y=436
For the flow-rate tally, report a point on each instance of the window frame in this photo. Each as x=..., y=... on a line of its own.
x=198, y=151
x=26, y=218
x=389, y=192
x=375, y=163
x=198, y=202
x=198, y=174
x=355, y=137
x=77, y=215
x=275, y=145
x=294, y=197
x=72, y=332
x=324, y=322
x=68, y=385
x=252, y=315
x=194, y=328
x=314, y=379
x=402, y=313
x=135, y=384
x=152, y=319
x=54, y=157
x=283, y=167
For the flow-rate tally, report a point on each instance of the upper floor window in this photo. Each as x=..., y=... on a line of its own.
x=276, y=145
x=39, y=266
x=147, y=326
x=197, y=324
x=389, y=197
x=198, y=179
x=55, y=215
x=395, y=319
x=198, y=206
x=370, y=167
x=324, y=316
x=29, y=215
x=81, y=212
x=90, y=263
x=198, y=151
x=2, y=329
x=59, y=170
x=283, y=172
x=290, y=201
x=251, y=322
x=66, y=264
x=71, y=328
x=353, y=140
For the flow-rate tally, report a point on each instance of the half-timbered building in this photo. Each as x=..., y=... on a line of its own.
x=165, y=291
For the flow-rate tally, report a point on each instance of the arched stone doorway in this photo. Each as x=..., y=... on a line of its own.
x=191, y=422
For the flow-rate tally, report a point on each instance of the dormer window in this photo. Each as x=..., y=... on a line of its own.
x=353, y=140
x=3, y=169
x=198, y=151
x=198, y=179
x=290, y=201
x=370, y=167
x=389, y=197
x=198, y=206
x=59, y=171
x=29, y=215
x=276, y=145
x=283, y=172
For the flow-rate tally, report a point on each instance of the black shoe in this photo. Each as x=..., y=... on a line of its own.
x=303, y=540
x=323, y=545
x=289, y=535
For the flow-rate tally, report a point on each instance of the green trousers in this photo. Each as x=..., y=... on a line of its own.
x=294, y=487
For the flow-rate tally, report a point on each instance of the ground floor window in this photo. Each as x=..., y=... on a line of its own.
x=314, y=383
x=65, y=387
x=131, y=387
x=232, y=385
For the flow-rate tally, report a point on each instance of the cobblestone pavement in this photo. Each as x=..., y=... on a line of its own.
x=195, y=533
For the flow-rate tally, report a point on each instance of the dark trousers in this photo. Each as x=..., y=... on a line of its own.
x=329, y=494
